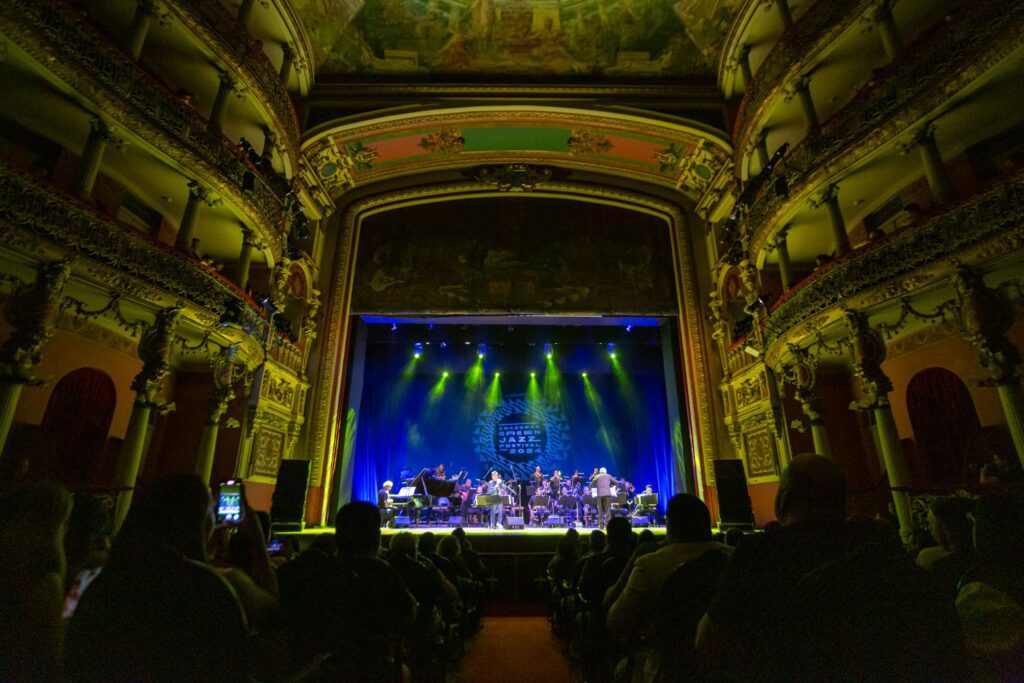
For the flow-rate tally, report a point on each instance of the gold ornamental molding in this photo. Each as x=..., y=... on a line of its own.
x=984, y=231
x=305, y=59
x=908, y=93
x=796, y=52
x=75, y=56
x=679, y=154
x=233, y=43
x=326, y=420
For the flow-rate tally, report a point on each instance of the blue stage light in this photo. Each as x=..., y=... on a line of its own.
x=611, y=349
x=417, y=349
x=549, y=351
x=481, y=350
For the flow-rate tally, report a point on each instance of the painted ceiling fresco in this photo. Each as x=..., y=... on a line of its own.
x=662, y=155
x=616, y=39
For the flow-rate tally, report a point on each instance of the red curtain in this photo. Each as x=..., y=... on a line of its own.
x=944, y=421
x=76, y=423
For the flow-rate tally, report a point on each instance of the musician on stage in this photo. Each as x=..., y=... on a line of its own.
x=539, y=508
x=576, y=479
x=439, y=472
x=387, y=512
x=537, y=478
x=496, y=487
x=555, y=483
x=602, y=481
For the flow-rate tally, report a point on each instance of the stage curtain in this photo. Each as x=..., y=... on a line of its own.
x=944, y=420
x=76, y=423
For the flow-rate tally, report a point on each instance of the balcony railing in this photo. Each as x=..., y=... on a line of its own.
x=56, y=35
x=943, y=60
x=32, y=205
x=998, y=210
x=246, y=53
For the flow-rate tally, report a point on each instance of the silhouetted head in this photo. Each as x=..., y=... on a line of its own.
x=33, y=518
x=357, y=530
x=620, y=533
x=646, y=536
x=403, y=545
x=999, y=528
x=949, y=522
x=428, y=543
x=688, y=519
x=174, y=511
x=597, y=541
x=448, y=547
x=811, y=489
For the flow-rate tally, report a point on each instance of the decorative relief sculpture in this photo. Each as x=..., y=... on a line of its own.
x=33, y=311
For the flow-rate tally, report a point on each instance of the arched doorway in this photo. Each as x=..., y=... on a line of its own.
x=944, y=420
x=77, y=419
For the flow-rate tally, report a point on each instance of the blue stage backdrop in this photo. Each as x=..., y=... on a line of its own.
x=491, y=413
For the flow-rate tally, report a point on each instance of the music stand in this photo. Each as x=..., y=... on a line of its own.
x=540, y=501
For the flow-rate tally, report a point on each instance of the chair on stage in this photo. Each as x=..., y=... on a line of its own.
x=440, y=510
x=539, y=509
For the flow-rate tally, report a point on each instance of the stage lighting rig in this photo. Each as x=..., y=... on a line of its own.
x=611, y=350
x=417, y=349
x=549, y=351
x=481, y=350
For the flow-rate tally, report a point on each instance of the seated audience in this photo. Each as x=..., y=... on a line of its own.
x=32, y=577
x=631, y=615
x=991, y=598
x=602, y=569
x=822, y=598
x=950, y=527
x=158, y=611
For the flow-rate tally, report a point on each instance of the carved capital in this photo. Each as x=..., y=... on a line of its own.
x=922, y=135
x=985, y=317
x=155, y=352
x=794, y=89
x=868, y=350
x=33, y=311
x=827, y=196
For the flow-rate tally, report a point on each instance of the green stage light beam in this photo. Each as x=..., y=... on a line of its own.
x=475, y=376
x=626, y=388
x=533, y=389
x=554, y=393
x=438, y=390
x=605, y=431
x=493, y=397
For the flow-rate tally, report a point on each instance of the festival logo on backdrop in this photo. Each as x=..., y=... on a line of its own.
x=517, y=435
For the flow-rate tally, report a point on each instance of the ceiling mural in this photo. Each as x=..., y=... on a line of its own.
x=565, y=38
x=666, y=155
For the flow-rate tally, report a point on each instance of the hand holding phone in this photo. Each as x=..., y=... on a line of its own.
x=230, y=507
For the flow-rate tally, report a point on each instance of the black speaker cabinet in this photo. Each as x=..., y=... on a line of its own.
x=288, y=505
x=734, y=509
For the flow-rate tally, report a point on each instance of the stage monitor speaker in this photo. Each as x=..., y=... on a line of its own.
x=401, y=522
x=641, y=521
x=734, y=507
x=555, y=520
x=288, y=504
x=455, y=521
x=514, y=523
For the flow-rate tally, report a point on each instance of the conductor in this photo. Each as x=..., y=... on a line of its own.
x=602, y=481
x=496, y=487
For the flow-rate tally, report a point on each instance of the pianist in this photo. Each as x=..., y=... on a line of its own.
x=387, y=511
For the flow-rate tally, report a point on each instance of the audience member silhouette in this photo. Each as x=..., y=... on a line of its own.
x=158, y=611
x=950, y=526
x=33, y=518
x=822, y=598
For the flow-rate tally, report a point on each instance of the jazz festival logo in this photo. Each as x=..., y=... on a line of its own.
x=517, y=435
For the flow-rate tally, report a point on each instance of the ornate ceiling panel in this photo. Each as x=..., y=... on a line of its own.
x=668, y=154
x=590, y=39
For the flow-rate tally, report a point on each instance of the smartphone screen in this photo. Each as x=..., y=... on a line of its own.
x=274, y=546
x=229, y=502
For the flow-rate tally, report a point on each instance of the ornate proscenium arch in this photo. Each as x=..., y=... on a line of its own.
x=326, y=415
x=665, y=152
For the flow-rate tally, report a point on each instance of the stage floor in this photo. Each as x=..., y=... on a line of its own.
x=470, y=531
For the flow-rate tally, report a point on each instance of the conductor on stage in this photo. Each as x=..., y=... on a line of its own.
x=602, y=481
x=496, y=487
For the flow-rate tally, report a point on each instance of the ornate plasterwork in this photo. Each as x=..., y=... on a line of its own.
x=907, y=92
x=129, y=96
x=232, y=42
x=700, y=153
x=324, y=416
x=906, y=262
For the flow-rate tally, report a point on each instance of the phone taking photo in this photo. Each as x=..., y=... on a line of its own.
x=229, y=502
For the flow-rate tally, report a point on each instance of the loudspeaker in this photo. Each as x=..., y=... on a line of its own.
x=641, y=521
x=288, y=504
x=734, y=507
x=555, y=520
x=402, y=522
x=455, y=521
x=514, y=523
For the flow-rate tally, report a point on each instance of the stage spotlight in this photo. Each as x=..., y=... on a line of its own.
x=583, y=374
x=394, y=326
x=533, y=374
x=629, y=328
x=444, y=374
x=417, y=349
x=497, y=375
x=611, y=349
x=481, y=350
x=444, y=345
x=549, y=351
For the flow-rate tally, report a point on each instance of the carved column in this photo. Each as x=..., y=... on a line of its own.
x=220, y=102
x=802, y=91
x=245, y=259
x=782, y=7
x=245, y=12
x=155, y=352
x=802, y=375
x=888, y=32
x=761, y=148
x=743, y=59
x=139, y=29
x=32, y=311
x=92, y=158
x=985, y=317
x=934, y=167
x=868, y=356
x=719, y=329
x=287, y=62
x=781, y=247
x=223, y=393
x=830, y=200
x=196, y=196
